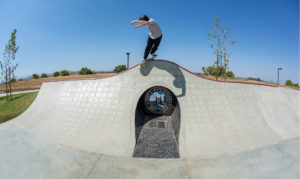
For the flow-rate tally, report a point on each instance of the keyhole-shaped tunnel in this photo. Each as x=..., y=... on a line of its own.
x=157, y=124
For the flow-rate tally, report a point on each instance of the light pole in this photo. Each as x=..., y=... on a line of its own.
x=278, y=75
x=127, y=53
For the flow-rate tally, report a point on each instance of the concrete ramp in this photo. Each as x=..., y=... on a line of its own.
x=88, y=129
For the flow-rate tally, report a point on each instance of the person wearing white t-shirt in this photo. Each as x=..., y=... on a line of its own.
x=155, y=34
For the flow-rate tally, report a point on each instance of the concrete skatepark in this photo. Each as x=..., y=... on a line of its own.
x=92, y=129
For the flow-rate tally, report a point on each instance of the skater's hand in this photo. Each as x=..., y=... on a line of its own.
x=139, y=21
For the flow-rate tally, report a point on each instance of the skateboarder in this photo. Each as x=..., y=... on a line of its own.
x=155, y=35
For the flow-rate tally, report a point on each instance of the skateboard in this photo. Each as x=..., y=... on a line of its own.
x=152, y=58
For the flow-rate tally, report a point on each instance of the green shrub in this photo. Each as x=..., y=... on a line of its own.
x=230, y=74
x=44, y=75
x=119, y=68
x=57, y=73
x=85, y=71
x=256, y=79
x=35, y=76
x=212, y=70
x=64, y=73
x=289, y=83
x=20, y=79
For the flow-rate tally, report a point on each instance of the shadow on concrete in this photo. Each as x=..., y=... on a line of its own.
x=173, y=69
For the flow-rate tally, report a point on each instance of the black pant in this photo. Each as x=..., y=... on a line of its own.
x=152, y=44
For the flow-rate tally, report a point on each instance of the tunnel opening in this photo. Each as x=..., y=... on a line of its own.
x=157, y=124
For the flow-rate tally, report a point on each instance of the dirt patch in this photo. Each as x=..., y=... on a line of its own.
x=37, y=83
x=239, y=80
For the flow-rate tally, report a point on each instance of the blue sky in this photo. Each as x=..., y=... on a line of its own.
x=55, y=34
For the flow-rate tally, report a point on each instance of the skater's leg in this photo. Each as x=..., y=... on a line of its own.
x=148, y=47
x=156, y=44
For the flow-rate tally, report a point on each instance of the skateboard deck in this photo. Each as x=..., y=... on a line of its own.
x=152, y=58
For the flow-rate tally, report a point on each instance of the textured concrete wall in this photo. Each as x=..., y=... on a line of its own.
x=216, y=118
x=219, y=122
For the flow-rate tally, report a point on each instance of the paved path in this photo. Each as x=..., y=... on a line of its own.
x=19, y=92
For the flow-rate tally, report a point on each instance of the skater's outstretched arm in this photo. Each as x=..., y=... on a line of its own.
x=142, y=23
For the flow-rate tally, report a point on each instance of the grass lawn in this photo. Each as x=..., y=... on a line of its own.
x=17, y=106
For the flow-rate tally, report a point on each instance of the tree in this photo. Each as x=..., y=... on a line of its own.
x=44, y=75
x=57, y=73
x=212, y=70
x=35, y=76
x=9, y=66
x=85, y=71
x=64, y=73
x=119, y=68
x=220, y=40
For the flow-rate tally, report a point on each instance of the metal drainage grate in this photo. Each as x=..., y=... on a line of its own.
x=161, y=125
x=158, y=124
x=152, y=124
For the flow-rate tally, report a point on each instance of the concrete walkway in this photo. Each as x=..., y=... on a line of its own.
x=20, y=92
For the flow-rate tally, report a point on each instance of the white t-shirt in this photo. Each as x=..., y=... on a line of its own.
x=154, y=29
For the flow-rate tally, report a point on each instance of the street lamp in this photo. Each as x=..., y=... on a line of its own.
x=278, y=75
x=127, y=53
